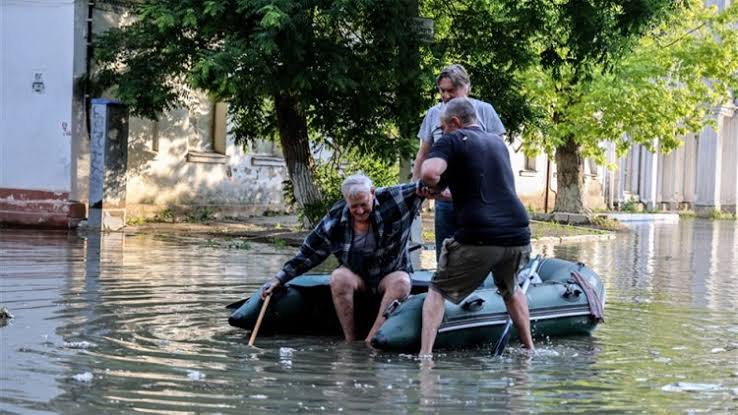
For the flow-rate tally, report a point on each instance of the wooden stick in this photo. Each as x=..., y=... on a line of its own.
x=258, y=320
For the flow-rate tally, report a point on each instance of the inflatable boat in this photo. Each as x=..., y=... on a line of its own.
x=564, y=298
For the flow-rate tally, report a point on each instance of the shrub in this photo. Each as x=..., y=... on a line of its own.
x=329, y=176
x=605, y=223
x=717, y=214
x=630, y=206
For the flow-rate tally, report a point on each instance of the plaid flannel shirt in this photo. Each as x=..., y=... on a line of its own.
x=394, y=209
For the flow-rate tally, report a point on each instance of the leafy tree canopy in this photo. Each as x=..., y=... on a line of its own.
x=667, y=85
x=341, y=63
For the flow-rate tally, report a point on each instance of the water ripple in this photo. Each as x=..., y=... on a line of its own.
x=137, y=324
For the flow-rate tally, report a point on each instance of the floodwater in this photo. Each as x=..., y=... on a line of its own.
x=137, y=323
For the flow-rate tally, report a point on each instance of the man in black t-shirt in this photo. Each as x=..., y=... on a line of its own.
x=492, y=234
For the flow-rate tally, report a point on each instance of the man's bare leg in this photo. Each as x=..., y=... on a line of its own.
x=433, y=311
x=517, y=306
x=344, y=284
x=394, y=286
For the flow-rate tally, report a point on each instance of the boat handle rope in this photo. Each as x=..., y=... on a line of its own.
x=597, y=312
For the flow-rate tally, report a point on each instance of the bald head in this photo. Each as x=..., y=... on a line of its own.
x=460, y=112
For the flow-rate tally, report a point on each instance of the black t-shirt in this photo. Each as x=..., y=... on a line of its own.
x=481, y=180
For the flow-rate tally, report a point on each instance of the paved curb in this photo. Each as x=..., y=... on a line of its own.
x=574, y=238
x=643, y=217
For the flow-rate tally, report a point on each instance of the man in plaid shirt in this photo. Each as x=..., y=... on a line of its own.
x=368, y=233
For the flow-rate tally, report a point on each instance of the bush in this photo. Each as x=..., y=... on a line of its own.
x=329, y=176
x=717, y=214
x=631, y=207
x=605, y=223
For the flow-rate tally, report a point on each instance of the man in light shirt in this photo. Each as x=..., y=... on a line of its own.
x=453, y=82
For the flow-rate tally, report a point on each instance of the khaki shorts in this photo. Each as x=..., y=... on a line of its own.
x=462, y=268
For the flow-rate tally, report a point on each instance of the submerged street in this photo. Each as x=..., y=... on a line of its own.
x=136, y=322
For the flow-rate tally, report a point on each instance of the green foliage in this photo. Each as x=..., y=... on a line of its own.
x=541, y=229
x=228, y=243
x=605, y=223
x=631, y=206
x=200, y=214
x=662, y=85
x=279, y=243
x=353, y=74
x=330, y=175
x=135, y=220
x=342, y=65
x=523, y=56
x=492, y=39
x=164, y=215
x=429, y=235
x=197, y=214
x=717, y=214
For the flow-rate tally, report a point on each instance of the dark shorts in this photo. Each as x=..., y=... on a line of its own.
x=462, y=268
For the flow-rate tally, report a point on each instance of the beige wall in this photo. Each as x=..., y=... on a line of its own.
x=186, y=159
x=530, y=181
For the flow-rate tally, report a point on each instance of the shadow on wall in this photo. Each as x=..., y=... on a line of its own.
x=173, y=166
x=176, y=160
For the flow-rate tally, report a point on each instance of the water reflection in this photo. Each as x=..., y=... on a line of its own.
x=117, y=324
x=690, y=264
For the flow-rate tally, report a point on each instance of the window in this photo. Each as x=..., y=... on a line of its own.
x=208, y=144
x=530, y=163
x=592, y=166
x=219, y=127
x=266, y=148
x=529, y=167
x=266, y=153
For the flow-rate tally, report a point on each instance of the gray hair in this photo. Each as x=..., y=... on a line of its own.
x=457, y=75
x=355, y=185
x=461, y=108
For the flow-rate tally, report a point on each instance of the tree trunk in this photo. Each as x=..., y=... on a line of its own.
x=293, y=136
x=569, y=179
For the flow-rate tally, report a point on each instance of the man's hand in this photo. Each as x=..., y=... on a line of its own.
x=269, y=287
x=423, y=191
x=445, y=195
x=433, y=193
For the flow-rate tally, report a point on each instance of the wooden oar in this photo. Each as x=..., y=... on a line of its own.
x=258, y=320
x=505, y=338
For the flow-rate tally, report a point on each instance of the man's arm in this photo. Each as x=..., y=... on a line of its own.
x=431, y=172
x=425, y=134
x=314, y=250
x=423, y=151
x=410, y=196
x=437, y=163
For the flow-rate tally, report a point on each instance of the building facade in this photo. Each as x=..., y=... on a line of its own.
x=701, y=175
x=186, y=160
x=36, y=157
x=183, y=161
